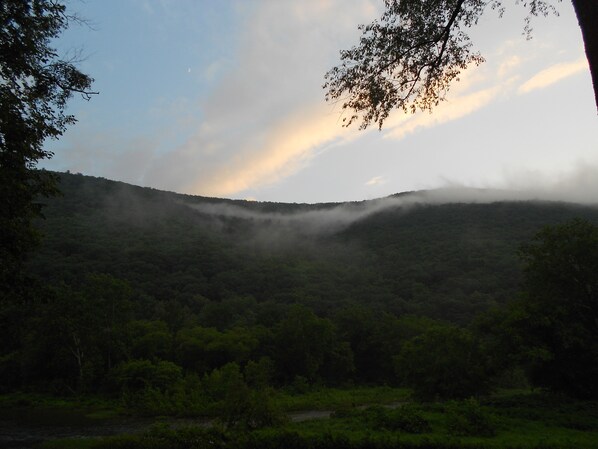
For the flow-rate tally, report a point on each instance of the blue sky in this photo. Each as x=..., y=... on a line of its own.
x=224, y=98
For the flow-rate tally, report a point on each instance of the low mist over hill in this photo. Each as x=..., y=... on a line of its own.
x=447, y=253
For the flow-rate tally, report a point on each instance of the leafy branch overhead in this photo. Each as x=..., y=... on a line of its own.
x=33, y=77
x=409, y=58
x=35, y=86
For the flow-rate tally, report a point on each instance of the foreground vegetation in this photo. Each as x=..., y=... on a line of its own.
x=506, y=420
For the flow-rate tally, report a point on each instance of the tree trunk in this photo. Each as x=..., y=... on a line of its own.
x=587, y=16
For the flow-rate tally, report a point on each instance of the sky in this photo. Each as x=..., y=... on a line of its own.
x=224, y=98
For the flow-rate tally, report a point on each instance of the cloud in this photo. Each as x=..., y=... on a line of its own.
x=287, y=147
x=553, y=75
x=478, y=86
x=318, y=219
x=114, y=156
x=449, y=110
x=376, y=180
x=266, y=118
x=508, y=65
x=579, y=185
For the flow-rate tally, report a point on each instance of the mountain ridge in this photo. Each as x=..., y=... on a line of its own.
x=444, y=260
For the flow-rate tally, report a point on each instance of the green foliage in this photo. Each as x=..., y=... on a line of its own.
x=36, y=85
x=405, y=418
x=307, y=346
x=74, y=336
x=343, y=307
x=374, y=339
x=409, y=58
x=136, y=375
x=203, y=349
x=245, y=409
x=408, y=418
x=469, y=418
x=237, y=405
x=518, y=420
x=406, y=60
x=159, y=437
x=259, y=374
x=187, y=268
x=325, y=398
x=554, y=410
x=444, y=362
x=149, y=339
x=560, y=306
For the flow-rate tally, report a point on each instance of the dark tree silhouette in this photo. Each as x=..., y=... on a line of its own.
x=35, y=85
x=409, y=58
x=561, y=304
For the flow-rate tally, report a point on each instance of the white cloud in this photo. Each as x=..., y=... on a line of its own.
x=479, y=87
x=267, y=116
x=507, y=66
x=553, y=74
x=579, y=185
x=576, y=183
x=266, y=120
x=446, y=111
x=376, y=180
x=287, y=146
x=114, y=156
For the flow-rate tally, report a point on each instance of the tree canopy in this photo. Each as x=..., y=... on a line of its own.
x=35, y=85
x=409, y=58
x=561, y=305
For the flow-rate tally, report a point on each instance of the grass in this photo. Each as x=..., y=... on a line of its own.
x=92, y=407
x=517, y=420
x=340, y=398
x=74, y=443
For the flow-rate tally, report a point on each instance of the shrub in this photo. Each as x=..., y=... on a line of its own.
x=443, y=363
x=468, y=418
x=136, y=375
x=408, y=418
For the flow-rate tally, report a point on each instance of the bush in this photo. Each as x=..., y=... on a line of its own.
x=136, y=375
x=443, y=363
x=468, y=418
x=161, y=436
x=408, y=418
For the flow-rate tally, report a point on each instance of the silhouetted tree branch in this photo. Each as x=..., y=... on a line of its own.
x=35, y=85
x=410, y=57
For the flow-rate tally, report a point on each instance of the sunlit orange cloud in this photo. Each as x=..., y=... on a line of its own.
x=446, y=111
x=289, y=146
x=266, y=116
x=553, y=74
x=376, y=180
x=464, y=98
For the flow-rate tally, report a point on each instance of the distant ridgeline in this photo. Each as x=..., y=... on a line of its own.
x=399, y=254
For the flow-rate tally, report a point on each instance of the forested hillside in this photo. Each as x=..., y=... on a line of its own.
x=221, y=257
x=170, y=301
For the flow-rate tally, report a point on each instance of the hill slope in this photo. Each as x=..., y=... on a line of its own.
x=407, y=253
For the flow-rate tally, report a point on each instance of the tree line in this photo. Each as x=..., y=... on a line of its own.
x=102, y=337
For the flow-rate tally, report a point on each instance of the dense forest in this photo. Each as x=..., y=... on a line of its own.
x=445, y=261
x=182, y=305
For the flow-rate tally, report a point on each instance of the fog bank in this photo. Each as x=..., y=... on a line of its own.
x=330, y=218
